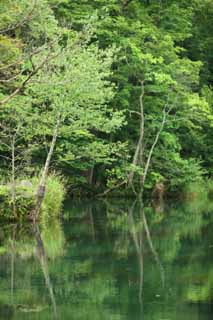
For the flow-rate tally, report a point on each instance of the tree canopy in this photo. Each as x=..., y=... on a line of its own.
x=131, y=81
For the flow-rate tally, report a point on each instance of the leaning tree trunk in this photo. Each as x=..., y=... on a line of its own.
x=138, y=157
x=42, y=184
x=147, y=164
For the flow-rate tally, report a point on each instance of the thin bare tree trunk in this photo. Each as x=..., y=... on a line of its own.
x=91, y=173
x=138, y=150
x=42, y=185
x=151, y=151
x=138, y=157
x=13, y=177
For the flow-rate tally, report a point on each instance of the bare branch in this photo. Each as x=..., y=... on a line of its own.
x=165, y=113
x=12, y=64
x=19, y=24
x=4, y=157
x=25, y=82
x=11, y=79
x=135, y=112
x=20, y=61
x=112, y=188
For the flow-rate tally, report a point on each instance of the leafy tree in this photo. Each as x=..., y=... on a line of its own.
x=163, y=44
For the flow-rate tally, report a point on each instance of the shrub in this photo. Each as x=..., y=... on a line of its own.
x=26, y=197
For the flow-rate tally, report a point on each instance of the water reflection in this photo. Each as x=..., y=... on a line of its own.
x=42, y=257
x=137, y=231
x=22, y=245
x=110, y=260
x=137, y=236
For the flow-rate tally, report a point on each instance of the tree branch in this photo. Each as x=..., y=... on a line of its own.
x=22, y=22
x=153, y=146
x=110, y=189
x=25, y=82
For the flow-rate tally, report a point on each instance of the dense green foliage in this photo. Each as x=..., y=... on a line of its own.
x=85, y=61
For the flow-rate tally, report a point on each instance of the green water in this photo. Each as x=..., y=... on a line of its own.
x=110, y=260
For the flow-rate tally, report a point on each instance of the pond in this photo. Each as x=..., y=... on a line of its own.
x=113, y=260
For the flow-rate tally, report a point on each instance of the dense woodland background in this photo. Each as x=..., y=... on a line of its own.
x=127, y=85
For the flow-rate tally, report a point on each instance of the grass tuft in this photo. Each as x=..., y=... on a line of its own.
x=26, y=197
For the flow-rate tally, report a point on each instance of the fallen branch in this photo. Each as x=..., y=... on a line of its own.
x=112, y=188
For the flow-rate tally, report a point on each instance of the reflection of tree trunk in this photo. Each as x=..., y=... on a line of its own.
x=12, y=264
x=138, y=242
x=92, y=222
x=158, y=205
x=137, y=236
x=41, y=254
x=42, y=184
x=154, y=252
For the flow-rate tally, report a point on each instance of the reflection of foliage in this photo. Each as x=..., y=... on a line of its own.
x=19, y=250
x=200, y=290
x=95, y=273
x=16, y=240
x=53, y=238
x=172, y=229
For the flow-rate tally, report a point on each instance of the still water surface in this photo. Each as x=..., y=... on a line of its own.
x=110, y=260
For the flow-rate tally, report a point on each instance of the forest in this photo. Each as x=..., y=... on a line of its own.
x=104, y=98
x=106, y=159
